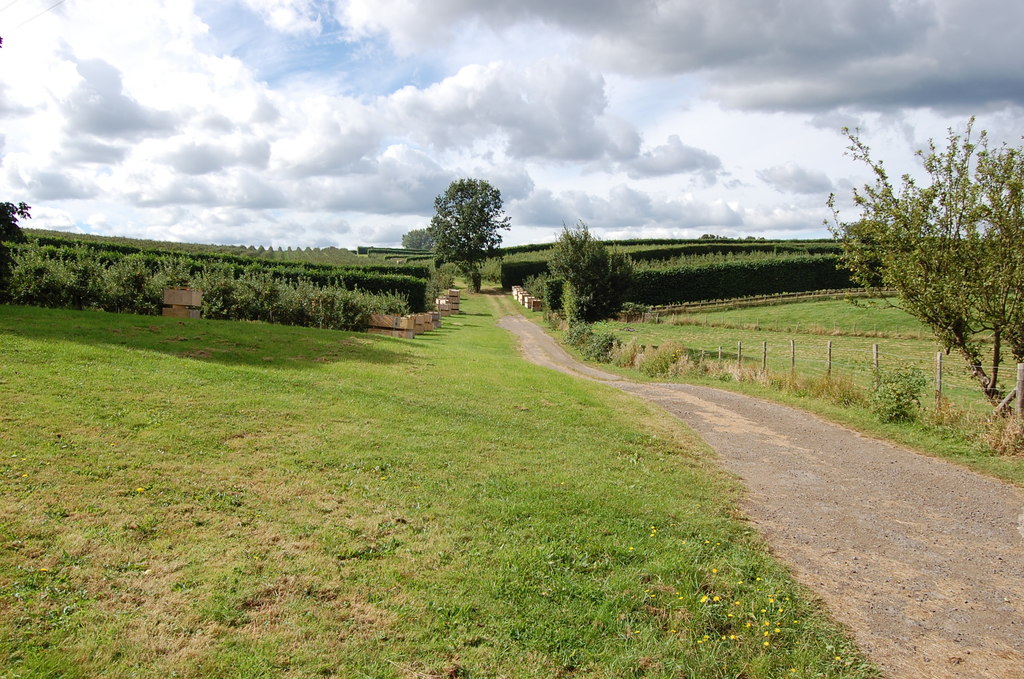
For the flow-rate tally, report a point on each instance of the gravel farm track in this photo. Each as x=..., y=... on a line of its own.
x=921, y=559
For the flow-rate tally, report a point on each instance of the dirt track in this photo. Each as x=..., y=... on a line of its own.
x=922, y=560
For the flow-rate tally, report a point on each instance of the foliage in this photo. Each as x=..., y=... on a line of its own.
x=896, y=395
x=578, y=334
x=599, y=347
x=10, y=232
x=739, y=277
x=441, y=280
x=554, y=288
x=9, y=216
x=418, y=239
x=466, y=224
x=596, y=279
x=81, y=278
x=373, y=279
x=953, y=248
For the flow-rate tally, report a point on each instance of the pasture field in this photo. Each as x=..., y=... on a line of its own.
x=852, y=328
x=222, y=499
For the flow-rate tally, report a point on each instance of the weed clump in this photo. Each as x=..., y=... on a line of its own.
x=896, y=394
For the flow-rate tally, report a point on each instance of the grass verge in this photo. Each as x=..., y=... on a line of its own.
x=216, y=499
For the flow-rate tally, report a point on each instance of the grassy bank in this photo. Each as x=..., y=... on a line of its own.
x=216, y=499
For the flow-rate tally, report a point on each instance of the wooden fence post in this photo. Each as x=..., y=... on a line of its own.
x=874, y=356
x=938, y=379
x=792, y=358
x=828, y=360
x=1018, y=407
x=739, y=354
x=719, y=353
x=764, y=357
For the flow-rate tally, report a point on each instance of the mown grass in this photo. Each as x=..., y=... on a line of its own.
x=216, y=499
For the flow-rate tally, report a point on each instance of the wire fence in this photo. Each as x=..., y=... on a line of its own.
x=854, y=358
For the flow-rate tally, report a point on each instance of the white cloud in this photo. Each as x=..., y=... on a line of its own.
x=791, y=178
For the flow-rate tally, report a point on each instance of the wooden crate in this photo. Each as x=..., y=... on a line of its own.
x=183, y=297
x=404, y=334
x=180, y=311
x=385, y=321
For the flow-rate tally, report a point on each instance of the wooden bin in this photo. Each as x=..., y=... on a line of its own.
x=182, y=302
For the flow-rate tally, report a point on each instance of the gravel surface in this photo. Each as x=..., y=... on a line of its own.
x=921, y=559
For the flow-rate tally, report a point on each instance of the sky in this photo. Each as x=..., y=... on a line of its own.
x=315, y=123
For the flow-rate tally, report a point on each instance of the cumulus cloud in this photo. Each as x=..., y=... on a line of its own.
x=672, y=158
x=99, y=107
x=624, y=207
x=552, y=109
x=791, y=178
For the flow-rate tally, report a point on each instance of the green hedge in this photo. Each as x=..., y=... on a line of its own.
x=725, y=279
x=87, y=261
x=376, y=279
x=516, y=268
x=110, y=250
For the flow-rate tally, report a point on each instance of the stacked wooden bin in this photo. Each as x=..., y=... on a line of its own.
x=182, y=302
x=415, y=324
x=526, y=299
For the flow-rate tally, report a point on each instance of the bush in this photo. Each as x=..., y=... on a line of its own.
x=660, y=361
x=578, y=334
x=599, y=347
x=553, y=290
x=896, y=394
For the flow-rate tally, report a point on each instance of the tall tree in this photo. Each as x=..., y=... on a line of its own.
x=466, y=226
x=595, y=278
x=418, y=239
x=10, y=232
x=952, y=248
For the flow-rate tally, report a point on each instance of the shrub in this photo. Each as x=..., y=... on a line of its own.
x=660, y=361
x=553, y=289
x=896, y=394
x=578, y=334
x=599, y=347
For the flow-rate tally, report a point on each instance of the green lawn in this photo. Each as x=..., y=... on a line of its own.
x=216, y=499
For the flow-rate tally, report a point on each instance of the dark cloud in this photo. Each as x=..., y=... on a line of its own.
x=790, y=178
x=98, y=106
x=675, y=157
x=807, y=55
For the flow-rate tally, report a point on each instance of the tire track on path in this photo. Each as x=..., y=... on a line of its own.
x=921, y=559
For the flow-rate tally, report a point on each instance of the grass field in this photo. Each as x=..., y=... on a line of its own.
x=835, y=317
x=852, y=330
x=216, y=499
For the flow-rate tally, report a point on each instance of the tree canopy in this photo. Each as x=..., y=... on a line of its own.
x=418, y=239
x=466, y=226
x=953, y=248
x=595, y=278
